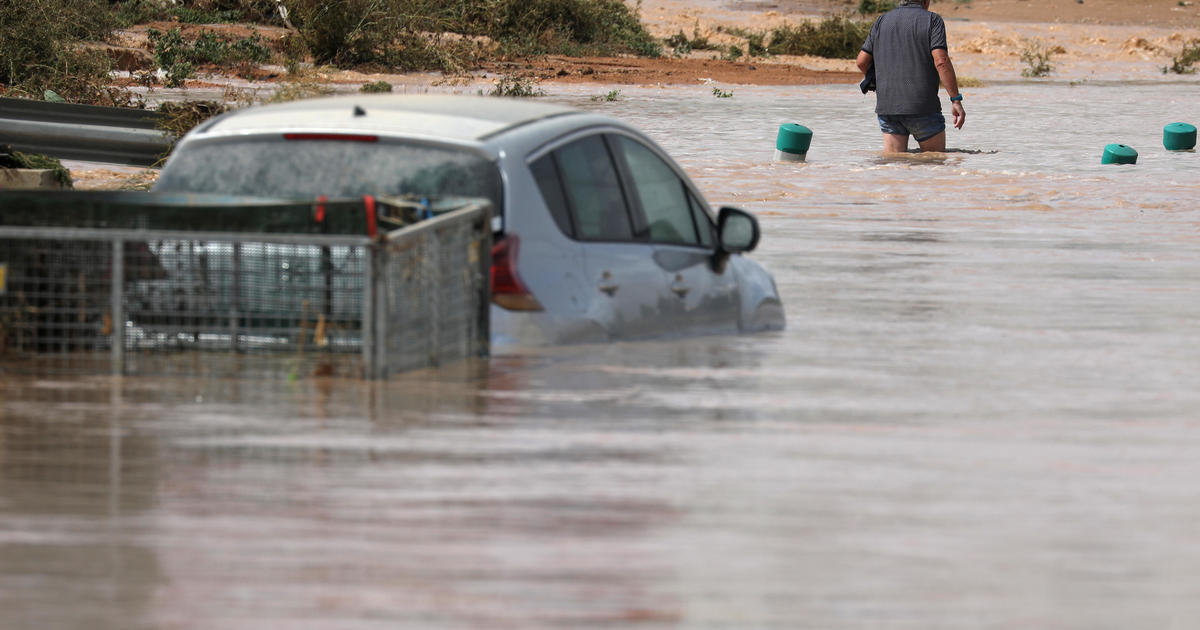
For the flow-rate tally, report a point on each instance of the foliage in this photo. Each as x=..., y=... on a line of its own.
x=1037, y=57
x=42, y=48
x=870, y=7
x=681, y=45
x=572, y=27
x=378, y=87
x=515, y=85
x=719, y=93
x=1188, y=57
x=130, y=12
x=180, y=57
x=837, y=37
x=17, y=159
x=447, y=35
x=613, y=95
x=181, y=117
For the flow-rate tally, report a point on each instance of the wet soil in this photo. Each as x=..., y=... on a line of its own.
x=641, y=71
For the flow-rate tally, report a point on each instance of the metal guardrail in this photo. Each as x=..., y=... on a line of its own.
x=83, y=132
x=196, y=303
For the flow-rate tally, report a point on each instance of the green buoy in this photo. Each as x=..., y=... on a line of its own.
x=1179, y=137
x=1119, y=154
x=792, y=143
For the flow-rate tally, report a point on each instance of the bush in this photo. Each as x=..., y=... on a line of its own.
x=437, y=35
x=179, y=57
x=378, y=87
x=870, y=7
x=16, y=159
x=514, y=85
x=1187, y=58
x=572, y=27
x=1037, y=58
x=41, y=48
x=130, y=12
x=838, y=37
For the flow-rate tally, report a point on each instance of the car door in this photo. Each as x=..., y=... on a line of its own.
x=627, y=286
x=698, y=298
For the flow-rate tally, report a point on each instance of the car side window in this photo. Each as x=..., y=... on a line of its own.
x=663, y=196
x=593, y=191
x=545, y=171
x=703, y=223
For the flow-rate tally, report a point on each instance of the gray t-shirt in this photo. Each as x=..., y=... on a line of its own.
x=901, y=44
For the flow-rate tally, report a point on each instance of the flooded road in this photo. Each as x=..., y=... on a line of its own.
x=983, y=414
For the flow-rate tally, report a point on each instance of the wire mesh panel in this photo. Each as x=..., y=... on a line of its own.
x=54, y=302
x=435, y=291
x=153, y=301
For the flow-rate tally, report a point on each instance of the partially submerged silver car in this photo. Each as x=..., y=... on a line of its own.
x=599, y=234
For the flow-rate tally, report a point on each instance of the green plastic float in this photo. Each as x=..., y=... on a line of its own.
x=793, y=142
x=1119, y=154
x=1179, y=136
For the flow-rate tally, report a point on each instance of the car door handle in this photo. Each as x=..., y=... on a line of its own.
x=607, y=285
x=678, y=288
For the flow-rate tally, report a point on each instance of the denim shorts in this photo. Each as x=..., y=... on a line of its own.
x=919, y=126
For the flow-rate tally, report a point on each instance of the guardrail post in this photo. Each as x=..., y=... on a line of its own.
x=117, y=307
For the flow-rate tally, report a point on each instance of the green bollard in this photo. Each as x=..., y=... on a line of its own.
x=1119, y=154
x=792, y=143
x=1179, y=137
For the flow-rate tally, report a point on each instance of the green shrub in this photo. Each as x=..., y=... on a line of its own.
x=378, y=87
x=1187, y=58
x=208, y=48
x=837, y=37
x=17, y=159
x=130, y=12
x=437, y=35
x=41, y=48
x=1037, y=59
x=870, y=7
x=573, y=27
x=515, y=85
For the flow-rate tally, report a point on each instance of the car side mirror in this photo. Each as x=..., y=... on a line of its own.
x=737, y=230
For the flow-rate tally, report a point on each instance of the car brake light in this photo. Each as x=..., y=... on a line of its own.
x=507, y=289
x=343, y=137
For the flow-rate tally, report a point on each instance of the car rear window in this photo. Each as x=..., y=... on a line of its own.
x=275, y=167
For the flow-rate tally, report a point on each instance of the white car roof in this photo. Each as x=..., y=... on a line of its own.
x=463, y=118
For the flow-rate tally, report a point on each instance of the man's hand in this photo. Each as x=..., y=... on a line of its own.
x=960, y=114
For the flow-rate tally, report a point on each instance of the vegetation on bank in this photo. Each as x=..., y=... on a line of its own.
x=57, y=45
x=16, y=159
x=1185, y=61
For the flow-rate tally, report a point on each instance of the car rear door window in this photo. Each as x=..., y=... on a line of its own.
x=545, y=171
x=663, y=197
x=594, y=191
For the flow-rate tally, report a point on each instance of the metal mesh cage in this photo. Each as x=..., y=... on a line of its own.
x=111, y=297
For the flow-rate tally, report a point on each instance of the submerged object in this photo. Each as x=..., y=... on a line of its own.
x=792, y=143
x=1179, y=136
x=1119, y=154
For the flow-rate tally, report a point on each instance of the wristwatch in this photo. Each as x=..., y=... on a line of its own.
x=955, y=99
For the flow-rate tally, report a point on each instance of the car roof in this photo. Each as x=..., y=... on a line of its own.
x=462, y=118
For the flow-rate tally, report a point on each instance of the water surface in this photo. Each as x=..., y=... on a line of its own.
x=982, y=415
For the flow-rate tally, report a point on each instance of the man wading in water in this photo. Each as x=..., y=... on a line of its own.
x=907, y=46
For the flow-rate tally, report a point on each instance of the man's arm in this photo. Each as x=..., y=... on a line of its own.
x=945, y=69
x=864, y=62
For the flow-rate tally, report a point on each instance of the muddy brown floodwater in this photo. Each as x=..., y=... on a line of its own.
x=982, y=414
